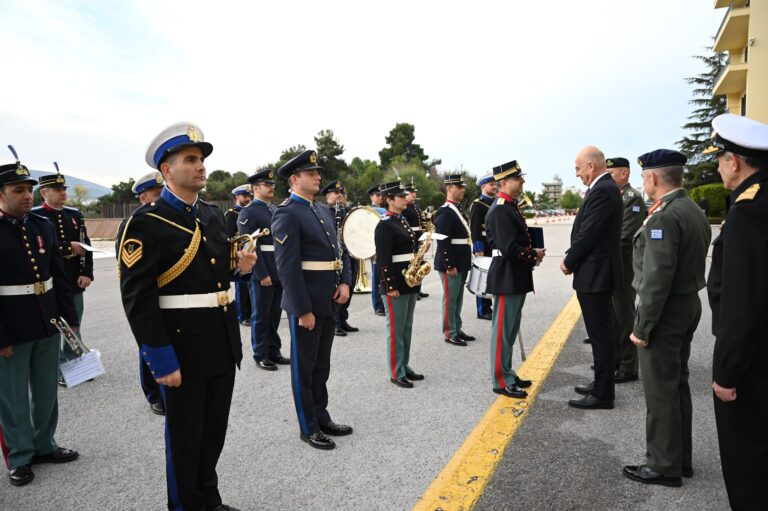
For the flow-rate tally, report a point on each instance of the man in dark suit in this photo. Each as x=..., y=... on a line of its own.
x=594, y=259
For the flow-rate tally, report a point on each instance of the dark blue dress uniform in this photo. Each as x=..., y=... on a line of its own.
x=174, y=264
x=412, y=214
x=70, y=226
x=307, y=257
x=378, y=306
x=453, y=251
x=265, y=319
x=395, y=247
x=477, y=215
x=509, y=280
x=34, y=288
x=738, y=294
x=242, y=294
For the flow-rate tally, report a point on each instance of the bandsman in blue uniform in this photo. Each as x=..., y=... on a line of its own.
x=34, y=289
x=336, y=199
x=413, y=215
x=624, y=297
x=738, y=295
x=378, y=305
x=396, y=244
x=265, y=287
x=175, y=264
x=147, y=189
x=243, y=197
x=453, y=258
x=480, y=248
x=71, y=234
x=510, y=276
x=669, y=257
x=315, y=280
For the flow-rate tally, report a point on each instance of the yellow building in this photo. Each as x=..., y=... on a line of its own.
x=744, y=35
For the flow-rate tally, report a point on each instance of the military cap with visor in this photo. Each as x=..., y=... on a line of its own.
x=265, y=176
x=148, y=181
x=333, y=186
x=12, y=173
x=304, y=161
x=739, y=135
x=173, y=139
x=509, y=169
x=393, y=189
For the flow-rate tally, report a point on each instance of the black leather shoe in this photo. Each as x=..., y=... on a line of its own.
x=620, y=376
x=334, y=429
x=266, y=364
x=279, y=359
x=22, y=475
x=414, y=376
x=423, y=295
x=511, y=391
x=523, y=384
x=380, y=312
x=157, y=408
x=645, y=474
x=62, y=383
x=586, y=340
x=591, y=403
x=59, y=455
x=348, y=328
x=222, y=507
x=318, y=441
x=464, y=337
x=487, y=315
x=455, y=341
x=585, y=390
x=687, y=472
x=339, y=332
x=402, y=382
x=246, y=322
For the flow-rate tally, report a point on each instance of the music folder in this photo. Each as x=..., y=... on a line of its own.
x=537, y=236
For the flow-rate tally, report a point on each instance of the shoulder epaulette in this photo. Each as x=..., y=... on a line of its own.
x=500, y=201
x=40, y=217
x=285, y=202
x=201, y=201
x=749, y=193
x=73, y=209
x=444, y=205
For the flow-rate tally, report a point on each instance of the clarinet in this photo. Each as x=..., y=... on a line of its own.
x=337, y=214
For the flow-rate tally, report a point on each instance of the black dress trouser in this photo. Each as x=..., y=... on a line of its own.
x=196, y=415
x=596, y=309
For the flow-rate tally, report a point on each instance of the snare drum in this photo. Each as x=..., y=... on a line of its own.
x=478, y=278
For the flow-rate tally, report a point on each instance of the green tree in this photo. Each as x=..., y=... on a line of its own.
x=402, y=148
x=570, y=200
x=361, y=175
x=281, y=187
x=329, y=151
x=702, y=169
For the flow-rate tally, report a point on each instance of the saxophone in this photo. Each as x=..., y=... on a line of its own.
x=419, y=268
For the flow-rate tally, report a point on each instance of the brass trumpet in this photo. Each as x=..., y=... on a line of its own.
x=244, y=242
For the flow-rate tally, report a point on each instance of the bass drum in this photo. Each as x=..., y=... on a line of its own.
x=478, y=278
x=357, y=232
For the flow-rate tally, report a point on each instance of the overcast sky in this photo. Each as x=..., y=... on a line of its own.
x=90, y=83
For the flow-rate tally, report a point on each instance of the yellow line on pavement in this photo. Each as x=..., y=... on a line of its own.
x=462, y=481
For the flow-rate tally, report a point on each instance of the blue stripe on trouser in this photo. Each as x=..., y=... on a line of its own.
x=170, y=472
x=295, y=383
x=253, y=291
x=238, y=299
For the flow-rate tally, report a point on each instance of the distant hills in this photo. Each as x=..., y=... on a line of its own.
x=94, y=190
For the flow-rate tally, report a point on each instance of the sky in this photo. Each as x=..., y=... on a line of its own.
x=90, y=83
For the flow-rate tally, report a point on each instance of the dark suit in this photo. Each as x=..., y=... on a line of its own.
x=202, y=341
x=266, y=311
x=242, y=296
x=595, y=260
x=304, y=231
x=738, y=295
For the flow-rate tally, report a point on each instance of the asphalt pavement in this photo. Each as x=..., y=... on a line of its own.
x=402, y=438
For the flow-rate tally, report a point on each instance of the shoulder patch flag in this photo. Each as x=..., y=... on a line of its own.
x=635, y=209
x=657, y=234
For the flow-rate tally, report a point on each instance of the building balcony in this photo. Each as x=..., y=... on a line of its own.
x=732, y=79
x=734, y=30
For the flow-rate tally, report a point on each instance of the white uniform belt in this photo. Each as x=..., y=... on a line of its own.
x=402, y=258
x=199, y=301
x=37, y=288
x=414, y=229
x=321, y=265
x=496, y=253
x=267, y=248
x=460, y=241
x=484, y=233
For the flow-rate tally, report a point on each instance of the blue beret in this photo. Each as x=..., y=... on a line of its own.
x=661, y=158
x=305, y=161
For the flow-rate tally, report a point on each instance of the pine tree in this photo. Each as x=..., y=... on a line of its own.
x=702, y=169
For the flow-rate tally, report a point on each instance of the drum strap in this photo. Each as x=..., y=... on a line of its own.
x=463, y=222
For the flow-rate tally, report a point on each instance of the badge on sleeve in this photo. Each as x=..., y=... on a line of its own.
x=635, y=209
x=281, y=241
x=657, y=234
x=131, y=252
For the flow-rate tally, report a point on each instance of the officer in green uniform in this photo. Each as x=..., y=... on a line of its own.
x=738, y=294
x=395, y=247
x=670, y=252
x=624, y=298
x=34, y=289
x=509, y=277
